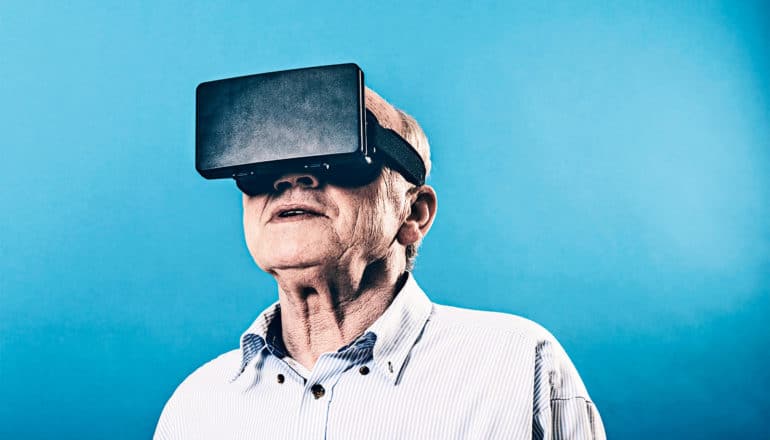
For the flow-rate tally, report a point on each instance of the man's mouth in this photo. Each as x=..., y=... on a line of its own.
x=295, y=212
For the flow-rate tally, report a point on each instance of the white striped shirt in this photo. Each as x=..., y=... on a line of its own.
x=421, y=371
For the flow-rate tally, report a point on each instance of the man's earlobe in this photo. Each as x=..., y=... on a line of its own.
x=421, y=215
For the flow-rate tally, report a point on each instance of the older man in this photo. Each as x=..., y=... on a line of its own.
x=354, y=349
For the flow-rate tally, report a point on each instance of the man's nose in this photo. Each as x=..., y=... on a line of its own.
x=305, y=180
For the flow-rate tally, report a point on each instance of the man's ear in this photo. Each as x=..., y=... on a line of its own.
x=422, y=212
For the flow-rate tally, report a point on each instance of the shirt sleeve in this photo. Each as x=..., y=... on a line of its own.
x=562, y=409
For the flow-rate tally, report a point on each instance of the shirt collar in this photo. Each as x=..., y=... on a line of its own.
x=394, y=333
x=399, y=327
x=254, y=339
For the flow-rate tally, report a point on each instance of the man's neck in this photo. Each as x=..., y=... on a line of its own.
x=323, y=309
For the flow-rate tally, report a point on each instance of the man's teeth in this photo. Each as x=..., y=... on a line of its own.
x=293, y=212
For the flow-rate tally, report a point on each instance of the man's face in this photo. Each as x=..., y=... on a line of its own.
x=306, y=222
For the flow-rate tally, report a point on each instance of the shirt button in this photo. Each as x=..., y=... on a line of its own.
x=280, y=378
x=364, y=370
x=318, y=391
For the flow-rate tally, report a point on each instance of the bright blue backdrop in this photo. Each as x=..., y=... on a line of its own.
x=603, y=169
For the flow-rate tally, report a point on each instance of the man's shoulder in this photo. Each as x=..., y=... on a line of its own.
x=502, y=335
x=190, y=404
x=472, y=320
x=218, y=371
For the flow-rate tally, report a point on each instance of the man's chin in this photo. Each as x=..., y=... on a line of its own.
x=288, y=252
x=290, y=261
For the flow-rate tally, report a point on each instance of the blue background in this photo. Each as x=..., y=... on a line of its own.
x=603, y=169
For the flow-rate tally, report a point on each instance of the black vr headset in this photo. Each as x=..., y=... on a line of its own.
x=257, y=128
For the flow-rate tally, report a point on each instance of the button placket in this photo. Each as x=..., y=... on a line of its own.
x=318, y=391
x=319, y=388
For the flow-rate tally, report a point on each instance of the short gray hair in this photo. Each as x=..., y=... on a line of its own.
x=407, y=127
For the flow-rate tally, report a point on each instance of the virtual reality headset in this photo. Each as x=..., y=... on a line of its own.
x=257, y=128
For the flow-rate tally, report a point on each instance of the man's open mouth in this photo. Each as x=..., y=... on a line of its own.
x=296, y=212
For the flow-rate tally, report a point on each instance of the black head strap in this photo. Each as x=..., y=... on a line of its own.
x=403, y=157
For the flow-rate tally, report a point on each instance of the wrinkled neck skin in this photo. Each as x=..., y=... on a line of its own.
x=324, y=308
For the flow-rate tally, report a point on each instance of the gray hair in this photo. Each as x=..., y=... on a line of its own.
x=416, y=137
x=407, y=127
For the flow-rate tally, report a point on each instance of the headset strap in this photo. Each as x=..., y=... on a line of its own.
x=403, y=157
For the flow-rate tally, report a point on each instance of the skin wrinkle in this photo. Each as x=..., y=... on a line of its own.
x=337, y=273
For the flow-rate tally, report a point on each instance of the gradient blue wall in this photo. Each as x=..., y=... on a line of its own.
x=601, y=169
